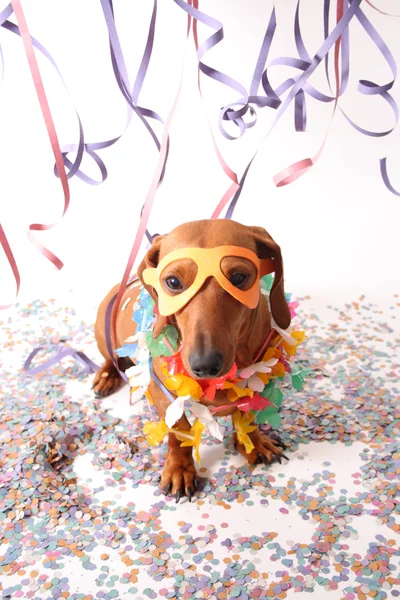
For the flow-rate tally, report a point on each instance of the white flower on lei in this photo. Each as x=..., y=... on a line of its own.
x=249, y=374
x=176, y=409
x=139, y=374
x=286, y=334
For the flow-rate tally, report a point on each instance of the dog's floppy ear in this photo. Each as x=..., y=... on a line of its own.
x=151, y=260
x=267, y=248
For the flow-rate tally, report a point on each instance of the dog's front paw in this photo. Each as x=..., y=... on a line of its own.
x=107, y=380
x=266, y=450
x=179, y=477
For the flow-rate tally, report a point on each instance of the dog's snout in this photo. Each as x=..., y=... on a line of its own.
x=207, y=364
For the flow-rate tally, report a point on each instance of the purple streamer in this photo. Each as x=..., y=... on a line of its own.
x=300, y=114
x=385, y=177
x=369, y=87
x=235, y=111
x=121, y=76
x=299, y=84
x=73, y=168
x=160, y=384
x=107, y=331
x=263, y=55
x=88, y=365
x=301, y=49
x=365, y=86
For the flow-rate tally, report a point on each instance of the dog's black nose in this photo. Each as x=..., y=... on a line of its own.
x=206, y=365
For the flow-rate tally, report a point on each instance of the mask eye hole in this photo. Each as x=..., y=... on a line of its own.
x=238, y=279
x=174, y=284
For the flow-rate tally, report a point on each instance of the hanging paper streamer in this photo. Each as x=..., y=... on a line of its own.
x=299, y=168
x=299, y=87
x=122, y=79
x=227, y=170
x=111, y=313
x=90, y=148
x=380, y=11
x=51, y=131
x=227, y=113
x=81, y=148
x=12, y=263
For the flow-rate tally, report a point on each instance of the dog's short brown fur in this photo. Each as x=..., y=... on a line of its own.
x=212, y=322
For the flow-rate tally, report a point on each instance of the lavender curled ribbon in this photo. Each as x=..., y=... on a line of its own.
x=122, y=79
x=364, y=86
x=73, y=168
x=88, y=365
x=235, y=111
x=160, y=384
x=2, y=64
x=385, y=176
x=370, y=88
x=298, y=85
x=81, y=147
x=302, y=63
x=301, y=84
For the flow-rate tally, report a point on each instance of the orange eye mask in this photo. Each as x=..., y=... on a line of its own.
x=208, y=261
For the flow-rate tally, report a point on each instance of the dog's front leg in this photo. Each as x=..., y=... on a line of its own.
x=179, y=476
x=266, y=450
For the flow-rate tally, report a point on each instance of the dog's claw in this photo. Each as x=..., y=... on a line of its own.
x=178, y=496
x=278, y=458
x=195, y=484
x=280, y=444
x=189, y=493
x=277, y=440
x=262, y=458
x=284, y=456
x=168, y=489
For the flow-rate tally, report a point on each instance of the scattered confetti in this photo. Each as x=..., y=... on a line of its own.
x=104, y=530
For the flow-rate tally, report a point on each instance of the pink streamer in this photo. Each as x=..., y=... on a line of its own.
x=227, y=170
x=51, y=131
x=380, y=11
x=271, y=333
x=12, y=263
x=144, y=219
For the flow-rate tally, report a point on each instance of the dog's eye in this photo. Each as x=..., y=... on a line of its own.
x=174, y=284
x=237, y=279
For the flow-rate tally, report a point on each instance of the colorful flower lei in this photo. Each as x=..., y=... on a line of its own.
x=254, y=391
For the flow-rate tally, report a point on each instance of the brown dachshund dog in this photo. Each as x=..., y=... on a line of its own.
x=215, y=330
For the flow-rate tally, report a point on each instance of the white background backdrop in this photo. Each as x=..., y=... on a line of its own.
x=337, y=225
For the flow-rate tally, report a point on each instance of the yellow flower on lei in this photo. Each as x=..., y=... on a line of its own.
x=242, y=421
x=155, y=432
x=195, y=433
x=299, y=336
x=234, y=391
x=182, y=385
x=271, y=353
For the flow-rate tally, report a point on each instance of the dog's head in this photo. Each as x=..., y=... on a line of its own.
x=213, y=322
